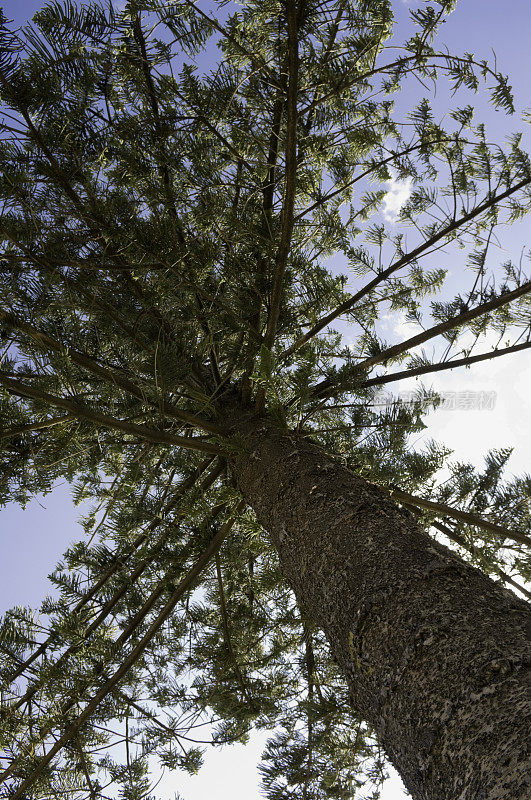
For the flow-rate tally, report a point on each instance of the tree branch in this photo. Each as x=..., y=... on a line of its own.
x=443, y=327
x=462, y=516
x=461, y=541
x=83, y=412
x=257, y=63
x=458, y=362
x=402, y=261
x=111, y=376
x=287, y=218
x=344, y=84
x=106, y=229
x=362, y=175
x=430, y=333
x=185, y=585
x=42, y=263
x=122, y=558
x=20, y=430
x=111, y=604
x=226, y=631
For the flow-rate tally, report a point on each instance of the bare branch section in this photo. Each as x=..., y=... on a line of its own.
x=462, y=516
x=443, y=327
x=457, y=362
x=84, y=413
x=184, y=586
x=268, y=194
x=407, y=258
x=455, y=322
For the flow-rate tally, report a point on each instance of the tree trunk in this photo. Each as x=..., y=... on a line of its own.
x=435, y=653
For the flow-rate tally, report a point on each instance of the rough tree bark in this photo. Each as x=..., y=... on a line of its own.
x=435, y=653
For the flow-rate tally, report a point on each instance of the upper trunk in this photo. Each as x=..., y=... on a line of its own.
x=434, y=652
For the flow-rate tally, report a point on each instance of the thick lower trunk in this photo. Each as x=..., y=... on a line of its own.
x=434, y=652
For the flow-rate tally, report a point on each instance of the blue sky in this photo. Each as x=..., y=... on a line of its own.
x=34, y=539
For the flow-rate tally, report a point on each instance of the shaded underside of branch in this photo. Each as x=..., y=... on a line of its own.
x=82, y=412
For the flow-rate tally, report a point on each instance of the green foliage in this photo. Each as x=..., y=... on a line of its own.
x=147, y=249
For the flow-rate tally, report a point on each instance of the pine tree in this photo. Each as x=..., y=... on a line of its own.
x=194, y=272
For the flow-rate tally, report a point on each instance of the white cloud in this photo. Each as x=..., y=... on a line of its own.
x=393, y=788
x=223, y=766
x=472, y=432
x=404, y=328
x=398, y=194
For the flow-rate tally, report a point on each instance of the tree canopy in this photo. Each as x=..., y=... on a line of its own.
x=192, y=200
